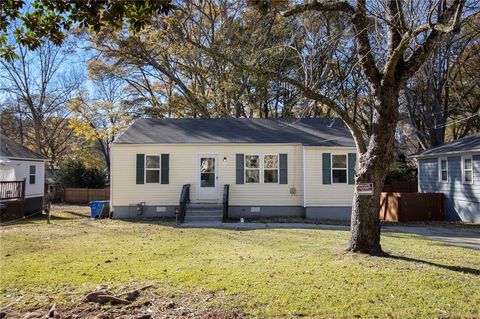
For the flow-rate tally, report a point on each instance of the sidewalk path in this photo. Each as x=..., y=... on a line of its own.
x=458, y=237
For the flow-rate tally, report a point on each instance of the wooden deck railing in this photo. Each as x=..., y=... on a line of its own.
x=12, y=190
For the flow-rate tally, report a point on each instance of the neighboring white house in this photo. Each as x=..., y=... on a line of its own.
x=18, y=163
x=274, y=167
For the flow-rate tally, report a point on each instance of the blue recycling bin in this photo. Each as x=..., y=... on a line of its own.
x=98, y=207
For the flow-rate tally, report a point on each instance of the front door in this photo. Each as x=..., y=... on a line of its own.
x=207, y=180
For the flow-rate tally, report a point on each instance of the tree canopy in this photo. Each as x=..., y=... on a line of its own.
x=36, y=21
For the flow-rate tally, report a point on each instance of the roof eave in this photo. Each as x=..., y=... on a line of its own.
x=445, y=153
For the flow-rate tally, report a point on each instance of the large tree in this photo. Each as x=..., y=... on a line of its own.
x=99, y=115
x=442, y=99
x=393, y=39
x=37, y=87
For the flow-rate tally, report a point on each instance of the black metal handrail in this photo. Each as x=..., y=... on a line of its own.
x=184, y=200
x=226, y=191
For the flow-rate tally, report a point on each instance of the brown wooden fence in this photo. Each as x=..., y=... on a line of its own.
x=405, y=207
x=401, y=187
x=85, y=195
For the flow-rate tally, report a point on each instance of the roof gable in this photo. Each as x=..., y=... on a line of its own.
x=469, y=143
x=306, y=131
x=12, y=149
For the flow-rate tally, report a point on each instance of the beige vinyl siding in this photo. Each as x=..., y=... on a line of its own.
x=317, y=193
x=183, y=170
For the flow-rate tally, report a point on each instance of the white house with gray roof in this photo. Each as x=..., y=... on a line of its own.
x=18, y=163
x=454, y=169
x=273, y=167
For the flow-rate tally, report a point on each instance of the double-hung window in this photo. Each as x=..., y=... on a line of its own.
x=443, y=164
x=252, y=169
x=467, y=170
x=270, y=169
x=32, y=176
x=339, y=168
x=152, y=169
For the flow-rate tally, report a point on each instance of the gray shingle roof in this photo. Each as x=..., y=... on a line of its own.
x=307, y=131
x=469, y=143
x=12, y=149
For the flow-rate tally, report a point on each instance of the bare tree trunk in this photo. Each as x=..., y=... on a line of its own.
x=373, y=167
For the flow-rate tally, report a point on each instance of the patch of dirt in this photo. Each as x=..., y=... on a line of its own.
x=148, y=305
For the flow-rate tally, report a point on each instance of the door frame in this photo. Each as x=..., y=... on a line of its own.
x=213, y=197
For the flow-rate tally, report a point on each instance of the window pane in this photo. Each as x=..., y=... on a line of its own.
x=252, y=161
x=152, y=162
x=270, y=161
x=339, y=161
x=32, y=179
x=32, y=169
x=444, y=164
x=339, y=176
x=468, y=163
x=252, y=176
x=152, y=176
x=468, y=176
x=270, y=176
x=207, y=164
x=444, y=176
x=208, y=179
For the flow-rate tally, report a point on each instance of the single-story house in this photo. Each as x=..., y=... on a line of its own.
x=274, y=167
x=453, y=169
x=17, y=164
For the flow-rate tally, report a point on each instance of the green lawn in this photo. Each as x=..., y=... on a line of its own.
x=265, y=273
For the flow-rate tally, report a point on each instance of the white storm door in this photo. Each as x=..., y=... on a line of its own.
x=207, y=177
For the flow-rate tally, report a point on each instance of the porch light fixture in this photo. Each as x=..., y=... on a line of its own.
x=225, y=159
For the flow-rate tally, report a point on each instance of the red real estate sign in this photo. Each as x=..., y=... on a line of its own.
x=365, y=189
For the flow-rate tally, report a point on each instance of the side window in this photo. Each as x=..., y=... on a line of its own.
x=152, y=169
x=32, y=174
x=443, y=165
x=252, y=168
x=270, y=169
x=467, y=167
x=339, y=169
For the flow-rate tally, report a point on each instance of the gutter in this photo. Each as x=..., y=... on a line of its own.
x=445, y=153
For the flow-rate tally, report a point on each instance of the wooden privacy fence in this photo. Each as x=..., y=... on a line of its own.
x=401, y=187
x=85, y=195
x=404, y=207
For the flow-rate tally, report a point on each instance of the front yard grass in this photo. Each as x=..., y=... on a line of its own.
x=261, y=273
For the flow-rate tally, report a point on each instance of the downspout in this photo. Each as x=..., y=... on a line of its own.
x=304, y=178
x=111, y=181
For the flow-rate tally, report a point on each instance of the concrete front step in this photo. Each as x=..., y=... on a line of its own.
x=214, y=213
x=210, y=206
x=190, y=219
x=204, y=212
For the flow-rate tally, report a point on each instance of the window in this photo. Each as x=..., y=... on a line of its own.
x=32, y=174
x=252, y=169
x=339, y=169
x=443, y=164
x=207, y=171
x=152, y=169
x=467, y=170
x=270, y=169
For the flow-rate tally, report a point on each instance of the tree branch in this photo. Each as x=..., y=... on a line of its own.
x=359, y=19
x=448, y=21
x=343, y=6
x=307, y=92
